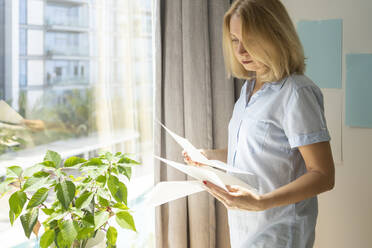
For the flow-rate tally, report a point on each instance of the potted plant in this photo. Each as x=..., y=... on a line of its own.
x=76, y=208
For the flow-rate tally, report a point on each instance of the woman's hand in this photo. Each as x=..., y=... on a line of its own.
x=236, y=198
x=189, y=161
x=35, y=125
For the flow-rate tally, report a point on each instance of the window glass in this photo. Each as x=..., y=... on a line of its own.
x=83, y=77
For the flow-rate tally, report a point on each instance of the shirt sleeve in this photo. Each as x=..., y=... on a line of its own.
x=304, y=122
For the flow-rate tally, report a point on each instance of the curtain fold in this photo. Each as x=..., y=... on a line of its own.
x=194, y=98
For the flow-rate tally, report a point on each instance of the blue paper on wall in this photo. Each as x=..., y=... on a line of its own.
x=322, y=42
x=358, y=90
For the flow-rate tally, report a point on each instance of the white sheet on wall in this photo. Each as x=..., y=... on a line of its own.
x=333, y=112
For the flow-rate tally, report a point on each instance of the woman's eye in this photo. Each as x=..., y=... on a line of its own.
x=234, y=40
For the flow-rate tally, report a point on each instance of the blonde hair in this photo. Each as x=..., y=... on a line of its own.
x=275, y=41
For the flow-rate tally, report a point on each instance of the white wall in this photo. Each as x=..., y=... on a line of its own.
x=345, y=213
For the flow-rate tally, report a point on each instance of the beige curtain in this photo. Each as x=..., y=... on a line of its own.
x=123, y=72
x=194, y=98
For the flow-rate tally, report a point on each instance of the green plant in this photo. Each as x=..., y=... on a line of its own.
x=81, y=205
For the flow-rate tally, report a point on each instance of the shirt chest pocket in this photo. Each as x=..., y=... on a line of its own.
x=252, y=134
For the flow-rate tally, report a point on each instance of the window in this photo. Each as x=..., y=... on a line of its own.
x=84, y=72
x=76, y=70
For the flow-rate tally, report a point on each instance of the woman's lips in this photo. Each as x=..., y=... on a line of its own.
x=247, y=62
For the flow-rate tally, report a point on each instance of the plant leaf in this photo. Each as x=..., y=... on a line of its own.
x=122, y=192
x=49, y=164
x=112, y=235
x=103, y=202
x=72, y=161
x=112, y=184
x=29, y=220
x=38, y=198
x=54, y=157
x=4, y=186
x=120, y=205
x=65, y=192
x=118, y=189
x=127, y=160
x=35, y=183
x=47, y=238
x=48, y=211
x=125, y=220
x=109, y=156
x=84, y=200
x=88, y=220
x=100, y=218
x=94, y=162
x=16, y=202
x=40, y=174
x=68, y=231
x=61, y=242
x=85, y=233
x=13, y=171
x=127, y=171
x=101, y=180
x=56, y=216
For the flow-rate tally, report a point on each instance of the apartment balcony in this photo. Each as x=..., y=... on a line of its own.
x=74, y=25
x=66, y=81
x=62, y=18
x=67, y=27
x=78, y=53
x=69, y=2
x=66, y=56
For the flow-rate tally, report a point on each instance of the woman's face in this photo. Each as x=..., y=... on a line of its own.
x=237, y=42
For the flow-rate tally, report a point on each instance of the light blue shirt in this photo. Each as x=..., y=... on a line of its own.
x=265, y=132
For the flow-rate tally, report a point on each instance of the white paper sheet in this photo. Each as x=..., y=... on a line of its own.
x=197, y=156
x=210, y=174
x=165, y=192
x=9, y=115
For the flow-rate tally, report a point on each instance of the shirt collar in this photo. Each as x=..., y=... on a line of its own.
x=276, y=85
x=273, y=85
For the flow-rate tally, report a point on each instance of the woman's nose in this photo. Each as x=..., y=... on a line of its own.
x=241, y=49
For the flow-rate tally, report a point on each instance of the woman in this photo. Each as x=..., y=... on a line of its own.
x=277, y=131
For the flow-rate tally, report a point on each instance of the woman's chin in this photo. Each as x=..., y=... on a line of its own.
x=250, y=67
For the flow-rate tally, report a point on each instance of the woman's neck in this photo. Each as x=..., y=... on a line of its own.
x=258, y=83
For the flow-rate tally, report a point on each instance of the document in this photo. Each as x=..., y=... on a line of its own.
x=9, y=115
x=164, y=192
x=208, y=173
x=197, y=156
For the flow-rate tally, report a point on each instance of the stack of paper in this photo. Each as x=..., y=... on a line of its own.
x=164, y=192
